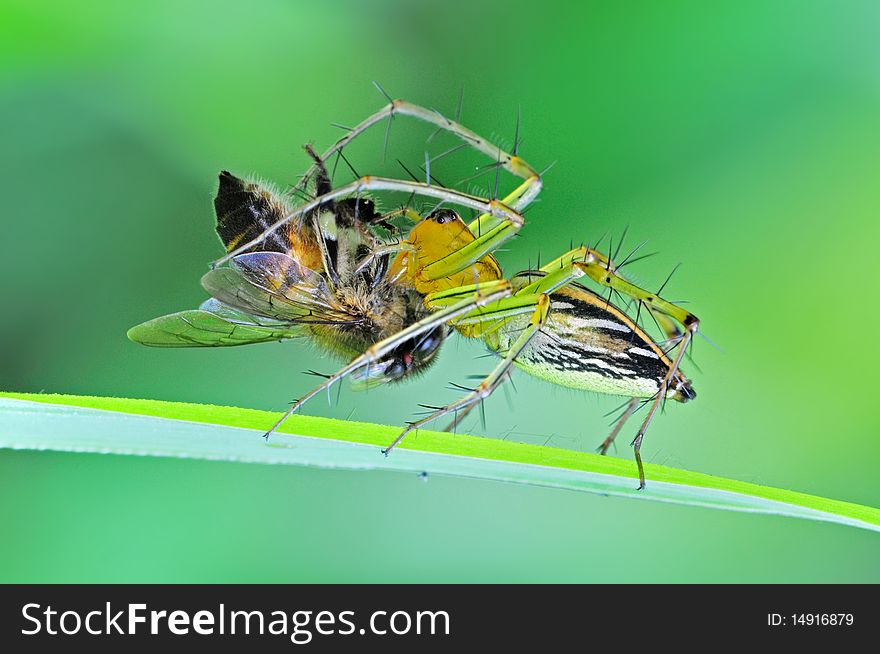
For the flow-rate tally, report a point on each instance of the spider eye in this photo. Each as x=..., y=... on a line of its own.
x=442, y=216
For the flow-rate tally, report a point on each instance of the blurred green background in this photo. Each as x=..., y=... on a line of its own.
x=741, y=138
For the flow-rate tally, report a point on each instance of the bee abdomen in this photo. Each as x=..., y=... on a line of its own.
x=245, y=210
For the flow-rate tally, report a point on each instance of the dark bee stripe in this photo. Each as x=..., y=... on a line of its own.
x=244, y=210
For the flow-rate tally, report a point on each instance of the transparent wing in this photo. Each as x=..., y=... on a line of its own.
x=370, y=376
x=276, y=286
x=212, y=325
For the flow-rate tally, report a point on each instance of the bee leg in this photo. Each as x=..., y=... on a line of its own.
x=491, y=226
x=487, y=293
x=322, y=178
x=631, y=407
x=494, y=379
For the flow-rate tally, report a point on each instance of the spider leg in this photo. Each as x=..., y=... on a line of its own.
x=661, y=394
x=372, y=184
x=599, y=267
x=631, y=407
x=602, y=270
x=491, y=227
x=473, y=299
x=461, y=414
x=510, y=162
x=541, y=308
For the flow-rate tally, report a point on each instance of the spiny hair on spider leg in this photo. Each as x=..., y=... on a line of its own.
x=668, y=277
x=507, y=398
x=351, y=168
x=596, y=246
x=482, y=170
x=408, y=171
x=500, y=141
x=447, y=152
x=460, y=104
x=620, y=264
x=430, y=177
x=383, y=91
x=636, y=259
x=517, y=141
x=620, y=243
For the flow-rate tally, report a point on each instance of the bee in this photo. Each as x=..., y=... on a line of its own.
x=320, y=268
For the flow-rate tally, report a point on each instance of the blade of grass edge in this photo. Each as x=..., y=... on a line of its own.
x=33, y=421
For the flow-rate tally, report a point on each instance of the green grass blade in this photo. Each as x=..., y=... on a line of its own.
x=154, y=428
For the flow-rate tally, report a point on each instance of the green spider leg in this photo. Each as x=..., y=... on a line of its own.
x=374, y=184
x=512, y=163
x=631, y=406
x=498, y=221
x=571, y=267
x=539, y=305
x=533, y=299
x=602, y=270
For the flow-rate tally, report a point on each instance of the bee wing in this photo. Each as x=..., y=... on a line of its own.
x=276, y=286
x=211, y=325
